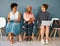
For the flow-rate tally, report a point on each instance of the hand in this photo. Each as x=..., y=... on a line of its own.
x=31, y=20
x=16, y=21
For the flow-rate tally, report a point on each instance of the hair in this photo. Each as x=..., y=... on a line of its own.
x=13, y=5
x=29, y=7
x=45, y=5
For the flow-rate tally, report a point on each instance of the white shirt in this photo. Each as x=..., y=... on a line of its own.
x=13, y=16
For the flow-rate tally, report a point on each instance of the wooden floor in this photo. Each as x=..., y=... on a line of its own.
x=56, y=42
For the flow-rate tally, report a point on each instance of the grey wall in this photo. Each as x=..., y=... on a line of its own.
x=54, y=7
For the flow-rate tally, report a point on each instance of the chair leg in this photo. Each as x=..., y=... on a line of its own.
x=39, y=36
x=52, y=32
x=37, y=33
x=32, y=36
x=55, y=34
x=24, y=35
x=7, y=37
x=4, y=31
x=59, y=33
x=1, y=33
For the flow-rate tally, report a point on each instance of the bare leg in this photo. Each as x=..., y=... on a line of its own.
x=8, y=36
x=42, y=32
x=20, y=38
x=47, y=34
x=11, y=38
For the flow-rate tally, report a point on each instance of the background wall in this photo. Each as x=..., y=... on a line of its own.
x=54, y=7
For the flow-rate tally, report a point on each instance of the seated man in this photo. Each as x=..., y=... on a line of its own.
x=28, y=18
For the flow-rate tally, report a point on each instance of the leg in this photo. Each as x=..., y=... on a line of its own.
x=20, y=38
x=31, y=31
x=26, y=30
x=26, y=27
x=24, y=35
x=11, y=38
x=52, y=32
x=8, y=36
x=39, y=34
x=59, y=32
x=47, y=32
x=42, y=32
x=1, y=33
x=55, y=33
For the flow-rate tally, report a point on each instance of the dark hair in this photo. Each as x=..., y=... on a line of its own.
x=45, y=5
x=13, y=5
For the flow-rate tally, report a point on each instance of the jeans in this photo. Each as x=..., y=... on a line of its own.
x=29, y=28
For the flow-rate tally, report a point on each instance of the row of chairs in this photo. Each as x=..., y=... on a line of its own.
x=3, y=24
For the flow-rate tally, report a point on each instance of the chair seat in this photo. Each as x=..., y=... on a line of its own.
x=56, y=28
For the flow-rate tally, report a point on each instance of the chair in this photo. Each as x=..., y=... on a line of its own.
x=55, y=25
x=53, y=20
x=2, y=25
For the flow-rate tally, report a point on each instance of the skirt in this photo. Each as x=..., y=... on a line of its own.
x=13, y=27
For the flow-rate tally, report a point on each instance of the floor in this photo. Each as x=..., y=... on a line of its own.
x=56, y=42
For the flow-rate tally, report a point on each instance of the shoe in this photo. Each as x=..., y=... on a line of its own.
x=42, y=41
x=46, y=42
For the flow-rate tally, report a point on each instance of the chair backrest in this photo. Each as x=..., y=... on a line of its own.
x=56, y=24
x=2, y=22
x=53, y=20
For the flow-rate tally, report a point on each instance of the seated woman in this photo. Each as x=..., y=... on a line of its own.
x=29, y=19
x=13, y=25
x=43, y=15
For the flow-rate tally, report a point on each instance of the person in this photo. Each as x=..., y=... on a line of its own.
x=43, y=15
x=29, y=19
x=13, y=25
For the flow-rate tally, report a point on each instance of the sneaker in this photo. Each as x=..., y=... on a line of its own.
x=42, y=41
x=46, y=42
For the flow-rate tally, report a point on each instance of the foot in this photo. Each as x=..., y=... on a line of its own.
x=20, y=39
x=26, y=39
x=42, y=41
x=11, y=41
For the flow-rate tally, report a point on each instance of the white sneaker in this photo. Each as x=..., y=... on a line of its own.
x=42, y=41
x=47, y=42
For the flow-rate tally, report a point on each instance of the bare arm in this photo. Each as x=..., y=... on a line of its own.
x=8, y=19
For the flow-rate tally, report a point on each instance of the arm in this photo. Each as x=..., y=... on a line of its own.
x=25, y=17
x=31, y=20
x=48, y=17
x=19, y=17
x=8, y=19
